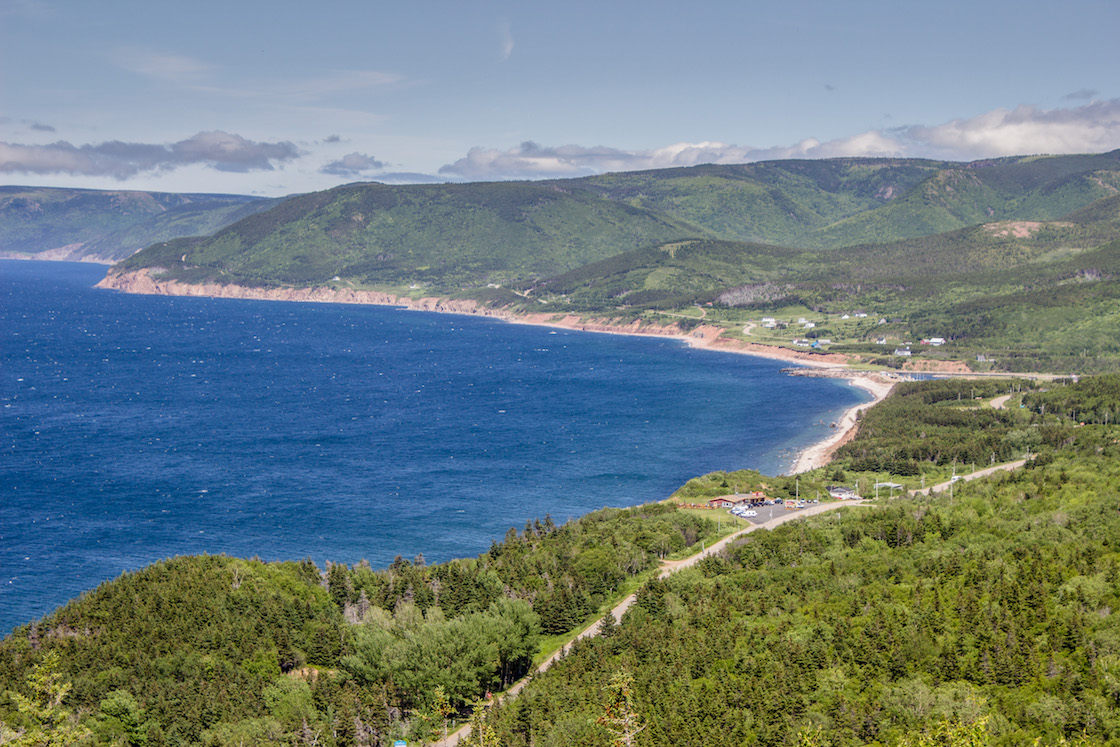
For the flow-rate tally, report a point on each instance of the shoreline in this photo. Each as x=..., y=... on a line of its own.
x=821, y=453
x=703, y=337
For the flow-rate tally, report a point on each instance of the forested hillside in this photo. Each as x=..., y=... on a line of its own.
x=223, y=651
x=987, y=611
x=106, y=226
x=450, y=237
x=984, y=615
x=874, y=625
x=831, y=203
x=453, y=237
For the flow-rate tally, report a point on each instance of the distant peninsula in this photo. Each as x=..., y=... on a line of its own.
x=1004, y=265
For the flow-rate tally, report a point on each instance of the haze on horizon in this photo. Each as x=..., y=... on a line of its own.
x=276, y=98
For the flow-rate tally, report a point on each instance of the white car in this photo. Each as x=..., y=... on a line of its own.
x=750, y=514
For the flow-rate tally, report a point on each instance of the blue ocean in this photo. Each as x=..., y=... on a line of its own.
x=136, y=428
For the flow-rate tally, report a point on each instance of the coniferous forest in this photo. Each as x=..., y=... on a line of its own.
x=984, y=615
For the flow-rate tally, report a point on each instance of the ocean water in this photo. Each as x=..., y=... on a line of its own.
x=135, y=428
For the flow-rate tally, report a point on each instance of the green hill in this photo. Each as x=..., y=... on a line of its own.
x=106, y=226
x=1024, y=295
x=777, y=202
x=1037, y=188
x=448, y=236
x=222, y=651
x=453, y=237
x=825, y=204
x=670, y=276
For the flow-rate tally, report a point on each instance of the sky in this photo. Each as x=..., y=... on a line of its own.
x=272, y=97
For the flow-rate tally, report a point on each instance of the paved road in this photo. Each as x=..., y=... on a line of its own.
x=943, y=486
x=668, y=567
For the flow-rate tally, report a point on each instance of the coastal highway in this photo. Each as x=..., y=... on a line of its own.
x=668, y=567
x=941, y=487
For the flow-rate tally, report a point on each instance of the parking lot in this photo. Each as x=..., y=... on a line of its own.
x=766, y=513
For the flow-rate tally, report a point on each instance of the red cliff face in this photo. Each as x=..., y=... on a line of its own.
x=704, y=336
x=142, y=282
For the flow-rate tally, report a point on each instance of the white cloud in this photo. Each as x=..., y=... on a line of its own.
x=353, y=164
x=532, y=161
x=218, y=150
x=1026, y=130
x=506, y=39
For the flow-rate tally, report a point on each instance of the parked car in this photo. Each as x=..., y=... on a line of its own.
x=750, y=514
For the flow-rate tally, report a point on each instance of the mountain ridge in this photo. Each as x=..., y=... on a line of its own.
x=953, y=251
x=105, y=226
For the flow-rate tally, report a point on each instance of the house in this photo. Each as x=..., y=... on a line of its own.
x=810, y=325
x=841, y=493
x=902, y=351
x=731, y=501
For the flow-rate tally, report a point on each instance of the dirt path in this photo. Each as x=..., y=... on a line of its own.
x=668, y=567
x=1000, y=403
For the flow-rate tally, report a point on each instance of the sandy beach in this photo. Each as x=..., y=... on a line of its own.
x=820, y=454
x=705, y=336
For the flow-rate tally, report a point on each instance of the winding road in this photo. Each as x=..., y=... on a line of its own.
x=668, y=567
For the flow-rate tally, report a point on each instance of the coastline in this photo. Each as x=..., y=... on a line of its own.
x=821, y=453
x=706, y=337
